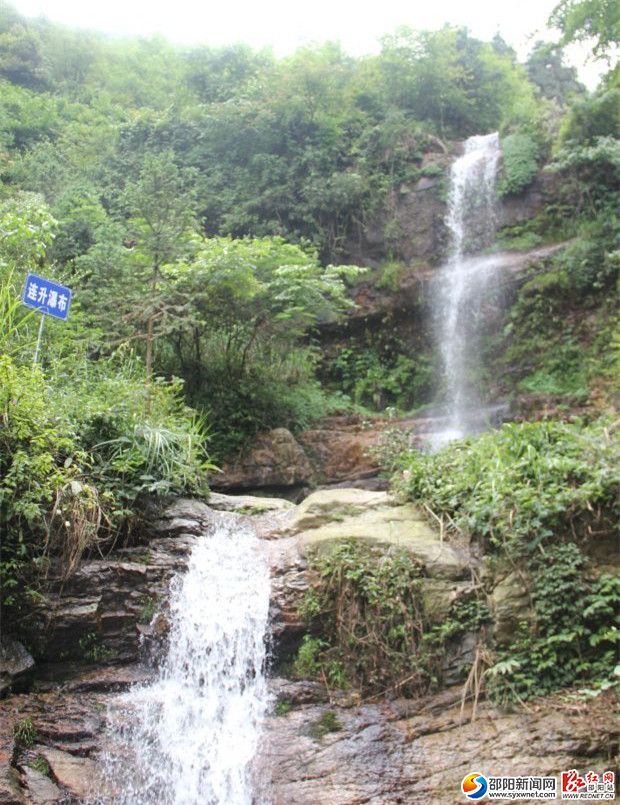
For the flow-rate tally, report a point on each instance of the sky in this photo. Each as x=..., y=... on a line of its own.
x=284, y=25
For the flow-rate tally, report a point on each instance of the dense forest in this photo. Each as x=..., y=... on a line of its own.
x=211, y=210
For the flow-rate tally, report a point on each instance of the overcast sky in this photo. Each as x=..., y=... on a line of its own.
x=286, y=24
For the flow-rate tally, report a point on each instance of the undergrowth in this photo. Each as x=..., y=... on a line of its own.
x=519, y=487
x=366, y=622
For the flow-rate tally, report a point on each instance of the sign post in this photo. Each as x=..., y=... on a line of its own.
x=48, y=297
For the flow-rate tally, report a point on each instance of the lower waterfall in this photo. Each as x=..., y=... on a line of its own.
x=190, y=737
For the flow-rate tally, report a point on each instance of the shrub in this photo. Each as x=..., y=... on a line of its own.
x=77, y=454
x=520, y=164
x=522, y=485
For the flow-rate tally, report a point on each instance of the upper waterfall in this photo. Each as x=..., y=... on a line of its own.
x=191, y=736
x=461, y=284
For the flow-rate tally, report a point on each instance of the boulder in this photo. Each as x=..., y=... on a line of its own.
x=340, y=449
x=328, y=516
x=16, y=666
x=41, y=790
x=78, y=775
x=275, y=460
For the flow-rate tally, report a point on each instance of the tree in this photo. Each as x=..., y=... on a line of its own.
x=161, y=219
x=251, y=290
x=21, y=60
x=590, y=20
x=545, y=67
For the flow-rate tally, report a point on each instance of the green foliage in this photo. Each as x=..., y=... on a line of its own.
x=523, y=485
x=574, y=637
x=591, y=174
x=93, y=649
x=148, y=608
x=591, y=20
x=307, y=663
x=381, y=374
x=247, y=304
x=469, y=612
x=597, y=115
x=366, y=607
x=41, y=765
x=283, y=707
x=77, y=453
x=326, y=723
x=558, y=335
x=520, y=164
x=25, y=733
x=546, y=68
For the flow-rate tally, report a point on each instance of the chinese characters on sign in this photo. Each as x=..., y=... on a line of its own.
x=46, y=296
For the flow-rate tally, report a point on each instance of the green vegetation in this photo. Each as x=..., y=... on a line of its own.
x=520, y=164
x=366, y=608
x=93, y=649
x=25, y=733
x=544, y=493
x=326, y=723
x=41, y=765
x=575, y=637
x=522, y=486
x=148, y=607
x=283, y=707
x=206, y=205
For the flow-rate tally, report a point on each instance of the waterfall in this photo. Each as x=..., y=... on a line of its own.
x=190, y=737
x=462, y=282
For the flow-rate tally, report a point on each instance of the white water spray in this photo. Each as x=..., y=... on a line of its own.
x=190, y=737
x=462, y=282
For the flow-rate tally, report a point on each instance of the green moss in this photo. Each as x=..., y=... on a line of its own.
x=41, y=765
x=283, y=707
x=326, y=723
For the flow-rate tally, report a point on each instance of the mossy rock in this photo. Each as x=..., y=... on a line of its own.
x=331, y=515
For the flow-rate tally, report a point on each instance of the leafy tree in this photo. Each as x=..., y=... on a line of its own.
x=161, y=217
x=590, y=20
x=553, y=78
x=21, y=59
x=247, y=305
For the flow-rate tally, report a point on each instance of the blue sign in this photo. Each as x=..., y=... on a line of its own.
x=47, y=296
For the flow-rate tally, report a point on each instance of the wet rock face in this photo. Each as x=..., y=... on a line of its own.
x=411, y=224
x=16, y=666
x=515, y=210
x=93, y=616
x=275, y=460
x=323, y=749
x=101, y=613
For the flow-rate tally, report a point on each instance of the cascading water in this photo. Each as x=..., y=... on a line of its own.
x=190, y=737
x=463, y=280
